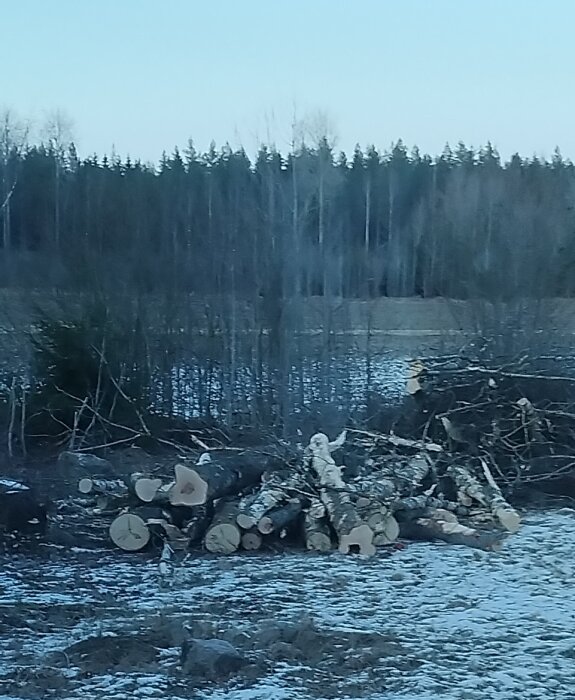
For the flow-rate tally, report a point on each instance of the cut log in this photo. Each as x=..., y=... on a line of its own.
x=129, y=532
x=144, y=487
x=196, y=526
x=253, y=507
x=430, y=529
x=197, y=485
x=223, y=536
x=102, y=487
x=251, y=540
x=384, y=525
x=386, y=532
x=318, y=456
x=397, y=441
x=87, y=463
x=317, y=533
x=488, y=495
x=351, y=531
x=274, y=490
x=278, y=518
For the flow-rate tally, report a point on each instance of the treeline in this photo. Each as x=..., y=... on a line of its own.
x=309, y=222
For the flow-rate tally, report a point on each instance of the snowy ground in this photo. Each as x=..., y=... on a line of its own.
x=430, y=622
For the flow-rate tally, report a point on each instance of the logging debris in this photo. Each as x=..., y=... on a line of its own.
x=247, y=500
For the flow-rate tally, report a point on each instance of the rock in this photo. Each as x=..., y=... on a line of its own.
x=210, y=658
x=20, y=511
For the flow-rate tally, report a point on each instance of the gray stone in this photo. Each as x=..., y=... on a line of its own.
x=210, y=658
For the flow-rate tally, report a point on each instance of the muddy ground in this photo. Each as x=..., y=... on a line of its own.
x=429, y=622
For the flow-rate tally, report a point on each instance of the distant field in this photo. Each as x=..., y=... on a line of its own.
x=390, y=316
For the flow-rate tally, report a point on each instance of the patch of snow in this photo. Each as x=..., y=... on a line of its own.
x=478, y=624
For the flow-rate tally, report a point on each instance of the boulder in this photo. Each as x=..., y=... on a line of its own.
x=210, y=658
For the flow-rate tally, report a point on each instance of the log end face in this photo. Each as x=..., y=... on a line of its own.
x=189, y=488
x=222, y=539
x=360, y=538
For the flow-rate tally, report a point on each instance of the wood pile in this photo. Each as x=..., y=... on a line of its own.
x=230, y=500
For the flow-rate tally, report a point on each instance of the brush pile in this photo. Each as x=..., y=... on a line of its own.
x=519, y=419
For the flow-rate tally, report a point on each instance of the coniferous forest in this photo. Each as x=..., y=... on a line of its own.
x=310, y=222
x=197, y=274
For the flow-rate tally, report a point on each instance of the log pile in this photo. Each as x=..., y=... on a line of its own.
x=231, y=500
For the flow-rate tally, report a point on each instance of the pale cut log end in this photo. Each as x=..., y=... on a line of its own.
x=510, y=520
x=85, y=485
x=361, y=537
x=266, y=525
x=189, y=488
x=246, y=522
x=146, y=489
x=129, y=532
x=251, y=541
x=387, y=533
x=222, y=539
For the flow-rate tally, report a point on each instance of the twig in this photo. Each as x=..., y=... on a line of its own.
x=12, y=418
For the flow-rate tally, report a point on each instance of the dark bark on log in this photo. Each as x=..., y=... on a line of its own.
x=429, y=529
x=197, y=485
x=196, y=525
x=277, y=519
x=20, y=511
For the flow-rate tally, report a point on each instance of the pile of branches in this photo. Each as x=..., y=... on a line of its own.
x=517, y=418
x=360, y=491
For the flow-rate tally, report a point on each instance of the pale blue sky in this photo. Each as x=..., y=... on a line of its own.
x=144, y=75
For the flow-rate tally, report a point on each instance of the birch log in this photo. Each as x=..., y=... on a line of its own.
x=489, y=495
x=317, y=532
x=351, y=530
x=223, y=536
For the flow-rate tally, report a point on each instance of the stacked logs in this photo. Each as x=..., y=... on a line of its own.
x=235, y=500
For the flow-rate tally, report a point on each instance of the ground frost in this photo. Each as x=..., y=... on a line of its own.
x=431, y=622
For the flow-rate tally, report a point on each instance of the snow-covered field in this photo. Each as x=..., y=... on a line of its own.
x=429, y=622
